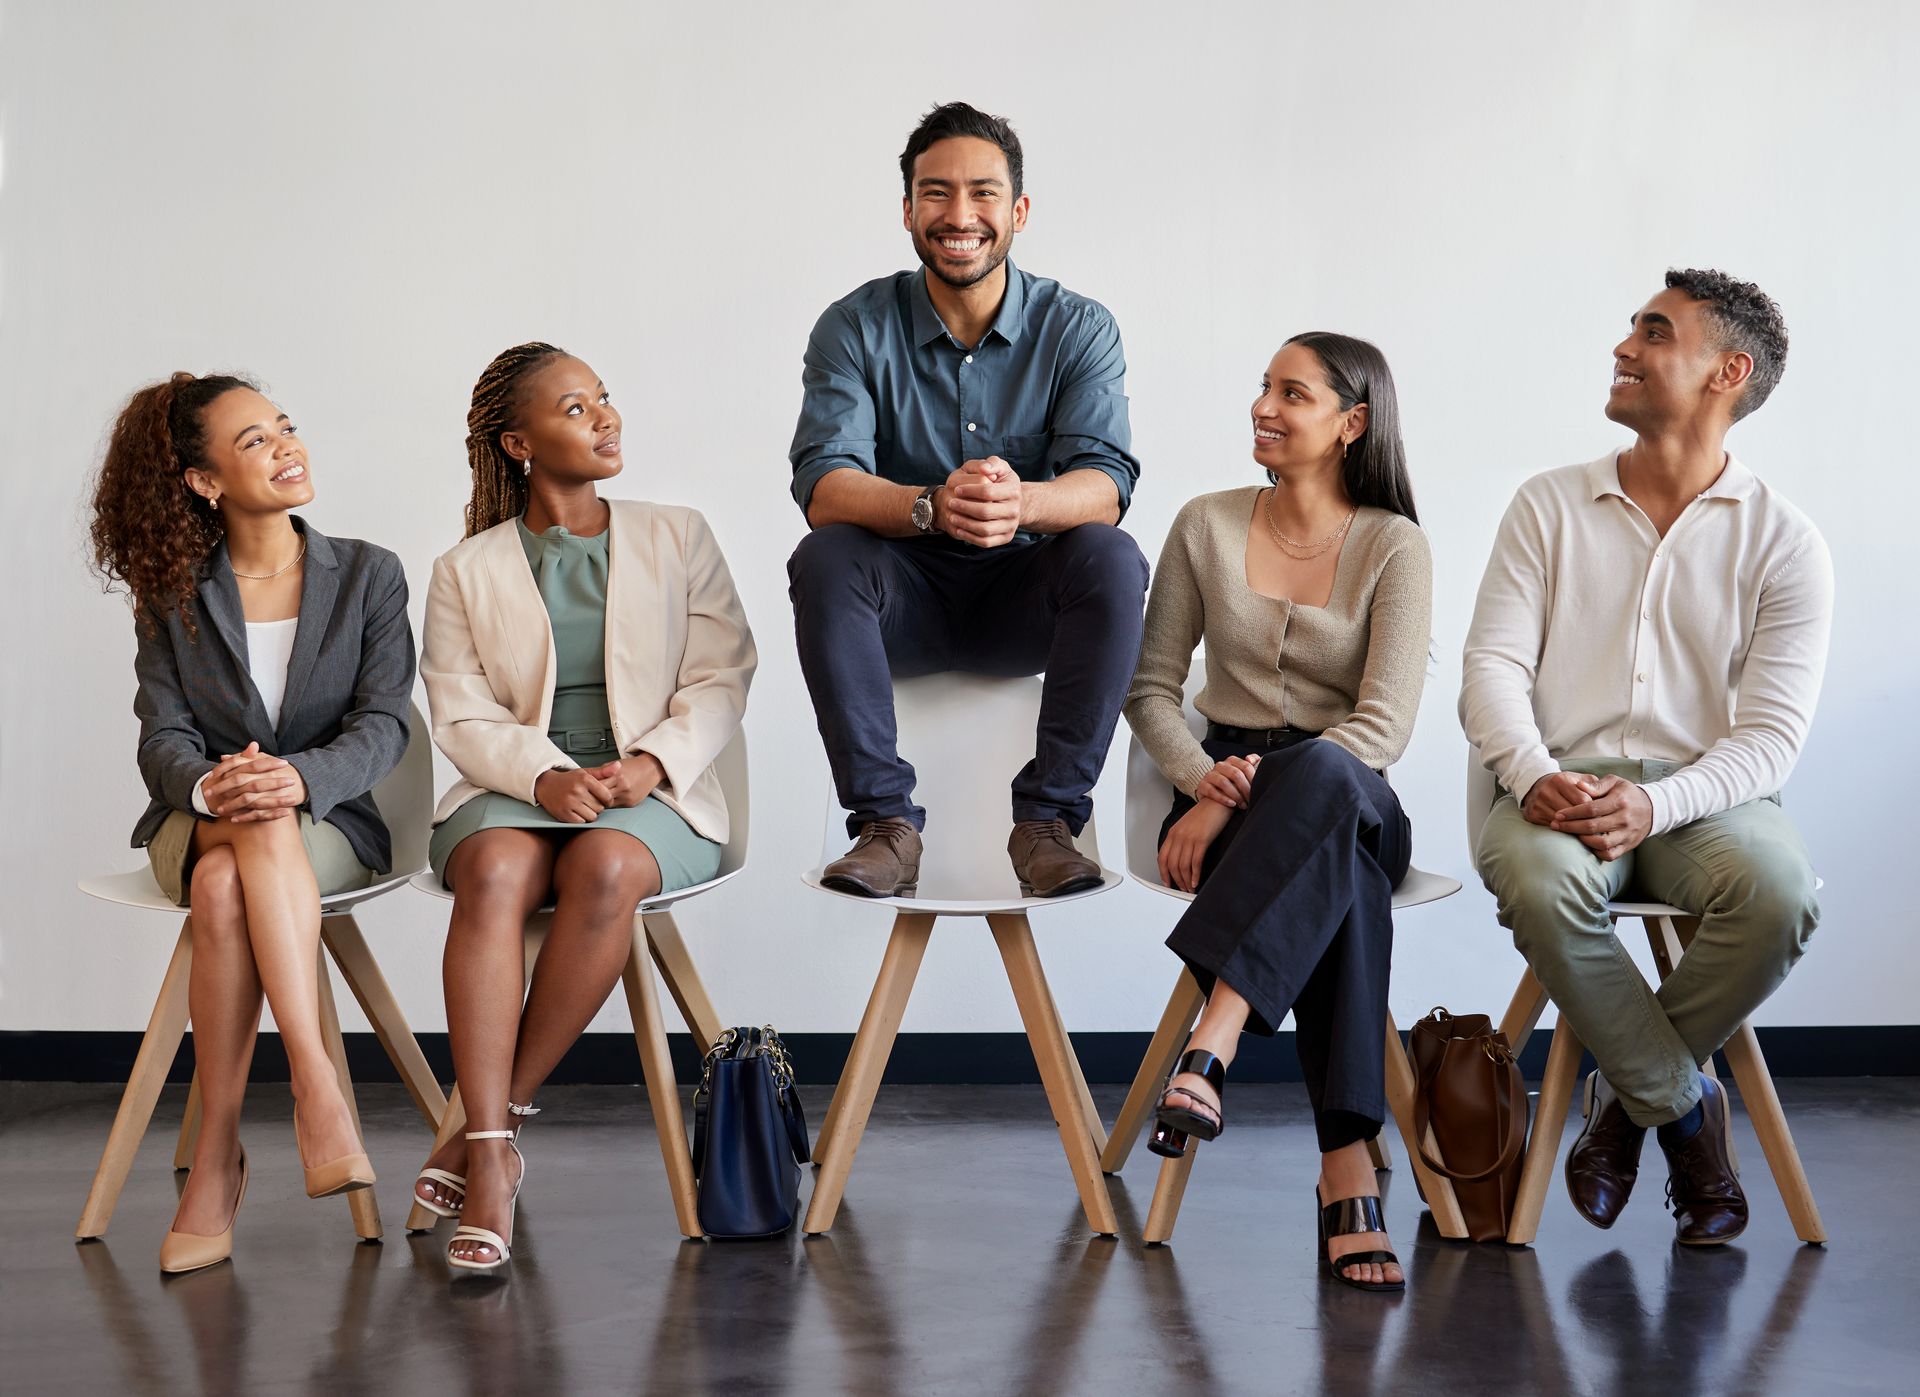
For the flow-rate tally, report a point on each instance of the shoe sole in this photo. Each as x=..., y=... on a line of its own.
x=859, y=889
x=1074, y=885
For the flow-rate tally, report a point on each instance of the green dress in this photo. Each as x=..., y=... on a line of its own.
x=572, y=575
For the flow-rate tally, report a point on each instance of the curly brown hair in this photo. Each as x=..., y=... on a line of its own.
x=500, y=481
x=150, y=530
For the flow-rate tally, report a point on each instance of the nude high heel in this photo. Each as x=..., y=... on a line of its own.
x=447, y=1179
x=342, y=1175
x=189, y=1251
x=467, y=1232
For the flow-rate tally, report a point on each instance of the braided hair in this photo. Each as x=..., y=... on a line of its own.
x=151, y=530
x=499, y=481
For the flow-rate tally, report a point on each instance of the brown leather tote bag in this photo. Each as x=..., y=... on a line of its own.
x=1470, y=1093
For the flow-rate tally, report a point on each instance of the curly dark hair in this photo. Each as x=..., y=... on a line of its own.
x=500, y=481
x=959, y=119
x=1748, y=321
x=150, y=530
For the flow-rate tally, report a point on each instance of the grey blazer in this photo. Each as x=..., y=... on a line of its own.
x=344, y=720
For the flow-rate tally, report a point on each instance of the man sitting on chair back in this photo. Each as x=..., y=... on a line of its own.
x=962, y=459
x=1640, y=675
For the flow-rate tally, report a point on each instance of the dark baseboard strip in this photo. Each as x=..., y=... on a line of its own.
x=1891, y=1050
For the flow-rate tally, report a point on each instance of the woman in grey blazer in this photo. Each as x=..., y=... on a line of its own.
x=274, y=669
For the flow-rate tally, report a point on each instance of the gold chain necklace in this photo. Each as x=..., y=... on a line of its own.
x=1306, y=552
x=263, y=576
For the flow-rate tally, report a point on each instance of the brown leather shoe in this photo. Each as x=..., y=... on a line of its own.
x=883, y=862
x=1702, y=1189
x=1046, y=861
x=1605, y=1160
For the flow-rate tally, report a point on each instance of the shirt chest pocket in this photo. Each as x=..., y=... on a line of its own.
x=1021, y=451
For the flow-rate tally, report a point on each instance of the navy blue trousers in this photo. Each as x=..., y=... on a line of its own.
x=868, y=609
x=1295, y=912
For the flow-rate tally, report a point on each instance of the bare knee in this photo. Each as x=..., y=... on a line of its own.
x=279, y=836
x=217, y=899
x=496, y=875
x=612, y=873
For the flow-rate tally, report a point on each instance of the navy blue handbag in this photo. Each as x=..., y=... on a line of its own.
x=749, y=1136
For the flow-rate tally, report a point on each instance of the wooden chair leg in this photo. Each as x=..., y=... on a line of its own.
x=1380, y=1152
x=1437, y=1189
x=1176, y=1022
x=1088, y=1110
x=663, y=1094
x=362, y=1203
x=454, y=1119
x=1776, y=1141
x=189, y=1127
x=361, y=971
x=1523, y=1012
x=1052, y=1053
x=860, y=1079
x=1549, y=1123
x=1168, y=1190
x=682, y=979
x=165, y=1027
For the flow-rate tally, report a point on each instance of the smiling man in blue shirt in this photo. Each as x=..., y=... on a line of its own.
x=963, y=458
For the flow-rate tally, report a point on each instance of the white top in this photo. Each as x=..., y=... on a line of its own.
x=269, y=648
x=1595, y=637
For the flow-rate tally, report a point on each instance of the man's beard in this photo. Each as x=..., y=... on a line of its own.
x=996, y=253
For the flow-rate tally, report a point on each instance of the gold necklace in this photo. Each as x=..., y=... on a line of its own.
x=263, y=576
x=1306, y=552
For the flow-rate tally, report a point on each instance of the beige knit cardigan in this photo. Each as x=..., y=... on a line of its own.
x=1352, y=669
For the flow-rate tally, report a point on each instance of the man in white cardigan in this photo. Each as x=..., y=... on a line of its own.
x=1643, y=665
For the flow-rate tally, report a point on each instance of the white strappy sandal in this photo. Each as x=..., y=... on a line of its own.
x=466, y=1232
x=446, y=1178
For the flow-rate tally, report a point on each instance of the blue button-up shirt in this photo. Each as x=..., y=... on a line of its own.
x=889, y=391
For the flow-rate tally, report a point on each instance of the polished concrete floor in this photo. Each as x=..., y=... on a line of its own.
x=960, y=1265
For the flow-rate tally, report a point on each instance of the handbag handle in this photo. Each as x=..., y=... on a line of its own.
x=1515, y=1128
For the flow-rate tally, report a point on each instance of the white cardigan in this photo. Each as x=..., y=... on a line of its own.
x=679, y=659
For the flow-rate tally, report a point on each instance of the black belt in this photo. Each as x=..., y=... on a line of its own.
x=1257, y=737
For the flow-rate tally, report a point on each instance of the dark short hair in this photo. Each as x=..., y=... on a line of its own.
x=959, y=119
x=1748, y=320
x=1375, y=470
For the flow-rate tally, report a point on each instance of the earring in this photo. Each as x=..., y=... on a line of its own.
x=1345, y=446
x=526, y=466
x=213, y=501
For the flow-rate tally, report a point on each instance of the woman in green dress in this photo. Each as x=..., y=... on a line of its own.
x=585, y=660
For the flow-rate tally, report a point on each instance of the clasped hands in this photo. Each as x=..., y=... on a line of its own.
x=980, y=503
x=578, y=796
x=1609, y=814
x=248, y=786
x=1223, y=790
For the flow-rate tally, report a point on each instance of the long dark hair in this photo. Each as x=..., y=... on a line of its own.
x=500, y=488
x=150, y=531
x=1375, y=472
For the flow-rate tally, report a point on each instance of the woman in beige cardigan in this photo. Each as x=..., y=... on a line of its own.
x=586, y=660
x=1314, y=598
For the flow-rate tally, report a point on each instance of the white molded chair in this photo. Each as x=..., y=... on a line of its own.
x=405, y=799
x=1670, y=931
x=966, y=736
x=656, y=937
x=1149, y=797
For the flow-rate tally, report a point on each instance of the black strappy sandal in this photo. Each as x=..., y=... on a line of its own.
x=1342, y=1219
x=1172, y=1125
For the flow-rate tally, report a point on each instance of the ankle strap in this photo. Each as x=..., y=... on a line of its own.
x=527, y=1110
x=489, y=1134
x=1202, y=1063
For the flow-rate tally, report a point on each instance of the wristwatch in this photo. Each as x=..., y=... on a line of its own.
x=923, y=510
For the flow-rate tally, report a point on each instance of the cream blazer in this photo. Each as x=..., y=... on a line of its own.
x=679, y=659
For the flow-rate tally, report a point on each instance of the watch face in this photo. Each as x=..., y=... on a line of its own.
x=923, y=512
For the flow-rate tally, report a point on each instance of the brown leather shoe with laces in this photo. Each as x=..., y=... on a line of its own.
x=1708, y=1205
x=1047, y=863
x=883, y=862
x=1605, y=1160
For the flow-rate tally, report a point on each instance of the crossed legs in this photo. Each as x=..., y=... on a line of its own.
x=256, y=928
x=503, y=1051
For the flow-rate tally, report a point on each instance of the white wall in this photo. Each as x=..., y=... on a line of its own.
x=362, y=203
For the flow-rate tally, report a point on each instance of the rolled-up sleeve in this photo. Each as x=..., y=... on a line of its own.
x=1090, y=426
x=836, y=429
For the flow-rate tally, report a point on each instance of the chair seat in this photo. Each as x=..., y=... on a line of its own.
x=137, y=888
x=425, y=881
x=1416, y=889
x=950, y=905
